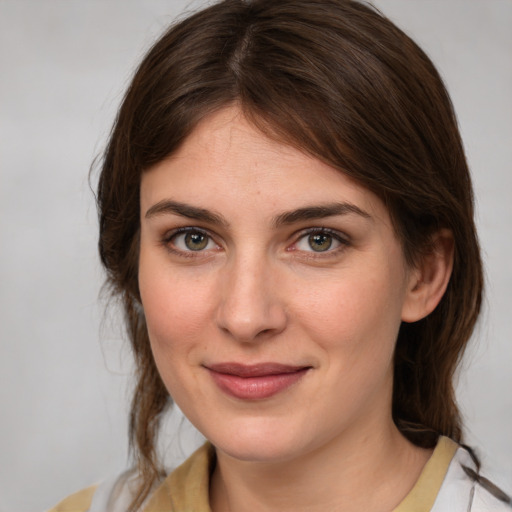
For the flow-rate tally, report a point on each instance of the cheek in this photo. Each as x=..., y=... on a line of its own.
x=176, y=307
x=175, y=312
x=357, y=313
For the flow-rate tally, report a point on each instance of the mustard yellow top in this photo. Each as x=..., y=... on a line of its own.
x=186, y=488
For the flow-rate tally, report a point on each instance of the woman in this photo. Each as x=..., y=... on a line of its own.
x=286, y=213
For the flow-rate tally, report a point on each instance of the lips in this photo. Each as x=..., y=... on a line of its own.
x=255, y=382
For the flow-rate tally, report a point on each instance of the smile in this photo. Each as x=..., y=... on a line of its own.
x=255, y=382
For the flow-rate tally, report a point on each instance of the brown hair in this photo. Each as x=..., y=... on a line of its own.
x=340, y=81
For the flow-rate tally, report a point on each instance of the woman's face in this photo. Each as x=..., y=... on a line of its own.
x=273, y=288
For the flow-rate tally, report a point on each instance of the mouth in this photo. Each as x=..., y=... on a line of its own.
x=255, y=382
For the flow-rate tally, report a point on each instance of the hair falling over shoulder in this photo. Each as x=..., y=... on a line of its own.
x=338, y=80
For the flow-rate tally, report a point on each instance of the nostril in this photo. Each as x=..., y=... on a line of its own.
x=255, y=327
x=249, y=309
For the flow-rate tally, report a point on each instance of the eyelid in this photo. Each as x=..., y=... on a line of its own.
x=171, y=234
x=339, y=236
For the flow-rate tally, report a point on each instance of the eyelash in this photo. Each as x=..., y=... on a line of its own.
x=336, y=236
x=169, y=242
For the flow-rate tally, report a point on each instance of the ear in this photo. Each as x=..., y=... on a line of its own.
x=429, y=280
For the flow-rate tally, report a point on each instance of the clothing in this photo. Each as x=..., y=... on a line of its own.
x=443, y=486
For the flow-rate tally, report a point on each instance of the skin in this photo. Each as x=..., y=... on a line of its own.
x=257, y=291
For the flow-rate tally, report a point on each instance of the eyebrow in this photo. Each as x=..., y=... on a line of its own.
x=306, y=213
x=319, y=212
x=185, y=210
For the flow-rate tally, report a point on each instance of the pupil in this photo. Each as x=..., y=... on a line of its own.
x=195, y=241
x=320, y=242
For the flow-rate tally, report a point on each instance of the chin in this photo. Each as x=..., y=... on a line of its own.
x=259, y=441
x=263, y=452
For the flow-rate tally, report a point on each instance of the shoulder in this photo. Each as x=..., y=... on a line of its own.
x=113, y=495
x=464, y=489
x=78, y=502
x=484, y=501
x=490, y=498
x=185, y=488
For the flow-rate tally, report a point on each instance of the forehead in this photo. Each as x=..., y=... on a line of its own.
x=226, y=163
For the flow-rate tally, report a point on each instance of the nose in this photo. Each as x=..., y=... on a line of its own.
x=251, y=306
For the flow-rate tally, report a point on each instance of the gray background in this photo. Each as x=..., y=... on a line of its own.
x=63, y=364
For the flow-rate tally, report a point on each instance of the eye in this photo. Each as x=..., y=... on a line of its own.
x=189, y=239
x=320, y=241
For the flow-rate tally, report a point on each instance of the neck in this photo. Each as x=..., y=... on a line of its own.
x=336, y=476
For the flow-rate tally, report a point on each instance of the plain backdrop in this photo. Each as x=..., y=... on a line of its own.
x=64, y=367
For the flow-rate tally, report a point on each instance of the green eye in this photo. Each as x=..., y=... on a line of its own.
x=191, y=240
x=196, y=241
x=320, y=242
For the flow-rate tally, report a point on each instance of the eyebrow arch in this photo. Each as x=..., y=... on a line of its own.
x=167, y=206
x=306, y=213
x=319, y=212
